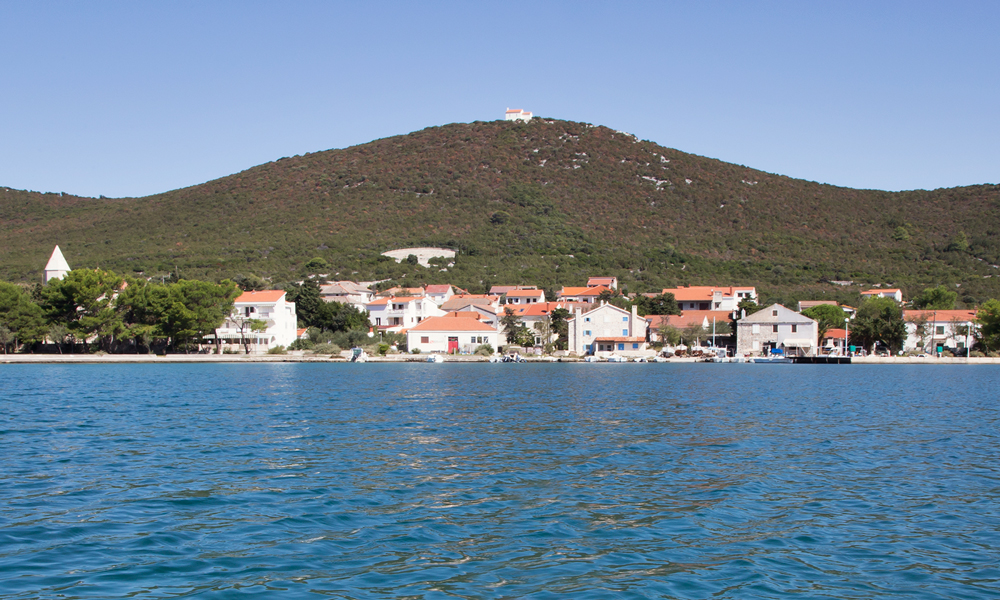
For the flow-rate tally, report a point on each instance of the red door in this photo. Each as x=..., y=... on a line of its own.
x=453, y=345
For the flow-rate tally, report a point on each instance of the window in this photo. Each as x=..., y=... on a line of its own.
x=795, y=328
x=625, y=332
x=621, y=346
x=756, y=345
x=774, y=313
x=625, y=319
x=755, y=328
x=425, y=340
x=774, y=328
x=635, y=346
x=939, y=330
x=586, y=332
x=586, y=319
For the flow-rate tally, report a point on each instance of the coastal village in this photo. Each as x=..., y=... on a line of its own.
x=599, y=323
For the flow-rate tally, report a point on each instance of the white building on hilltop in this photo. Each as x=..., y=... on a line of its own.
x=516, y=114
x=57, y=267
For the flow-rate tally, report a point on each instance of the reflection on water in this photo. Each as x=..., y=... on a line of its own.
x=499, y=481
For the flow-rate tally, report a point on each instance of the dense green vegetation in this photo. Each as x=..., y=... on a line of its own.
x=547, y=203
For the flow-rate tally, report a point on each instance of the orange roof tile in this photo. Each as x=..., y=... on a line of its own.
x=524, y=293
x=939, y=316
x=452, y=324
x=262, y=296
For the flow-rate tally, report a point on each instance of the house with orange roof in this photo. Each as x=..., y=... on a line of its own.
x=516, y=114
x=689, y=318
x=451, y=334
x=401, y=291
x=702, y=297
x=460, y=301
x=500, y=290
x=894, y=293
x=439, y=293
x=535, y=317
x=269, y=306
x=834, y=342
x=611, y=282
x=607, y=329
x=395, y=313
x=588, y=295
x=525, y=296
x=934, y=331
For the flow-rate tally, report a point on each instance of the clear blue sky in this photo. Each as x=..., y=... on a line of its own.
x=134, y=98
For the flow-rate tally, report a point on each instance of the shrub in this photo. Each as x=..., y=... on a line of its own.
x=277, y=350
x=383, y=349
x=484, y=350
x=415, y=351
x=326, y=348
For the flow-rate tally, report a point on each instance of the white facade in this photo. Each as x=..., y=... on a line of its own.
x=776, y=327
x=397, y=313
x=57, y=267
x=607, y=329
x=269, y=306
x=711, y=298
x=895, y=294
x=451, y=335
x=525, y=296
x=347, y=292
x=941, y=329
x=516, y=114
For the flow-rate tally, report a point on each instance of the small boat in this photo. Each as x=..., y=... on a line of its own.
x=617, y=359
x=514, y=357
x=777, y=357
x=359, y=355
x=591, y=359
x=660, y=359
x=640, y=359
x=435, y=358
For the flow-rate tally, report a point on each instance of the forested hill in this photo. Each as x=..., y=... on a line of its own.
x=547, y=202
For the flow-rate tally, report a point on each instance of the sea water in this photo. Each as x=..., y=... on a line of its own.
x=499, y=481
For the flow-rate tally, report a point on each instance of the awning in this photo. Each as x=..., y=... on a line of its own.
x=797, y=343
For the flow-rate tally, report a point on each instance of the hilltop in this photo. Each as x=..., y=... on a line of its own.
x=546, y=202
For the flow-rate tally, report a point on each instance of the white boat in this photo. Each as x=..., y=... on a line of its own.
x=359, y=355
x=617, y=359
x=435, y=358
x=660, y=359
x=640, y=359
x=591, y=359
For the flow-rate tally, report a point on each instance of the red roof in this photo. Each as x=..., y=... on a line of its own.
x=939, y=316
x=438, y=289
x=538, y=309
x=463, y=314
x=263, y=296
x=452, y=324
x=694, y=293
x=836, y=334
x=514, y=110
x=688, y=318
x=524, y=293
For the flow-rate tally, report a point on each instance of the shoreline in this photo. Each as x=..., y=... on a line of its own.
x=82, y=359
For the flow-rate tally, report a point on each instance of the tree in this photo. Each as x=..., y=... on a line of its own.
x=20, y=316
x=670, y=335
x=250, y=283
x=84, y=301
x=412, y=259
x=510, y=324
x=827, y=317
x=308, y=301
x=878, y=320
x=988, y=318
x=340, y=316
x=316, y=265
x=662, y=304
x=559, y=323
x=939, y=298
x=614, y=298
x=197, y=308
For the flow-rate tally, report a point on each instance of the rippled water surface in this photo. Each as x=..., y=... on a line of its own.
x=499, y=481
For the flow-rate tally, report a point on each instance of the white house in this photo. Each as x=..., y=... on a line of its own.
x=607, y=329
x=57, y=267
x=516, y=114
x=347, y=292
x=525, y=296
x=439, y=294
x=269, y=306
x=893, y=293
x=703, y=297
x=934, y=330
x=451, y=334
x=777, y=327
x=397, y=313
x=611, y=282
